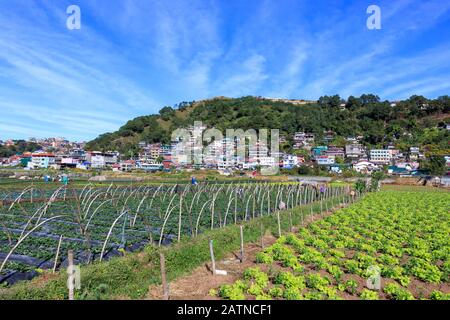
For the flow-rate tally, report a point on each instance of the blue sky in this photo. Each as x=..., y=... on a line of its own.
x=132, y=57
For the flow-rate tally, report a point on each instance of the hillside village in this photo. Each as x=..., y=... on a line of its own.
x=328, y=136
x=308, y=153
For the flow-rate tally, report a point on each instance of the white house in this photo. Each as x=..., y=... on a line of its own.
x=267, y=161
x=325, y=160
x=381, y=156
x=290, y=161
x=41, y=160
x=364, y=166
x=101, y=159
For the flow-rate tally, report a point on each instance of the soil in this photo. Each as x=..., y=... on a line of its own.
x=197, y=285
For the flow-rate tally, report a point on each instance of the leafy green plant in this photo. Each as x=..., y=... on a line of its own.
x=276, y=292
x=263, y=257
x=351, y=286
x=424, y=270
x=368, y=295
x=292, y=294
x=288, y=280
x=316, y=281
x=257, y=276
x=397, y=293
x=438, y=295
x=233, y=292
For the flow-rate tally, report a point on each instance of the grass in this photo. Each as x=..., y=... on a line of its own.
x=131, y=275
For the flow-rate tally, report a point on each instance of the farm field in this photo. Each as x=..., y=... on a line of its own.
x=401, y=235
x=39, y=226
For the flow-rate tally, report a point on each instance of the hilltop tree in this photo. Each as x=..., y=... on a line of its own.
x=435, y=164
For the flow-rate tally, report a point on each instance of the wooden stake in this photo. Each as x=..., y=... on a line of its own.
x=57, y=254
x=262, y=235
x=242, y=243
x=321, y=206
x=279, y=223
x=302, y=217
x=164, y=283
x=213, y=260
x=291, y=226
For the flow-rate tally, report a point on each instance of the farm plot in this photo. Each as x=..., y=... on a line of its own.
x=98, y=223
x=390, y=245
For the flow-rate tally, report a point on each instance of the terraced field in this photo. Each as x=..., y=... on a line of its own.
x=397, y=239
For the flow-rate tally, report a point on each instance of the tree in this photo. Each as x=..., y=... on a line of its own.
x=166, y=113
x=435, y=164
x=330, y=101
x=379, y=123
x=304, y=170
x=303, y=153
x=353, y=103
x=367, y=99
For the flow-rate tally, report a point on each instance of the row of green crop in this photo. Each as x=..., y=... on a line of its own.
x=402, y=235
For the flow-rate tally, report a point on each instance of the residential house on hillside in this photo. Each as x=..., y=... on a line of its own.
x=355, y=152
x=335, y=152
x=318, y=151
x=365, y=167
x=289, y=161
x=380, y=156
x=302, y=139
x=98, y=160
x=328, y=136
x=42, y=160
x=415, y=154
x=325, y=160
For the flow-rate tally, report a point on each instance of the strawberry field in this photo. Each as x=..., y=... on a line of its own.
x=38, y=227
x=390, y=245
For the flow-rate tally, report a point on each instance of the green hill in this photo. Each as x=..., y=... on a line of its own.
x=415, y=121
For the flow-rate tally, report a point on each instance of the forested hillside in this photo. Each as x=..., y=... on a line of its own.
x=415, y=121
x=19, y=147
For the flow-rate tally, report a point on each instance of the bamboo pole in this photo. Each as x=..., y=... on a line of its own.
x=291, y=226
x=57, y=254
x=213, y=260
x=262, y=235
x=279, y=223
x=242, y=243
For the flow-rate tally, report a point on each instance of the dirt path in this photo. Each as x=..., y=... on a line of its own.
x=197, y=285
